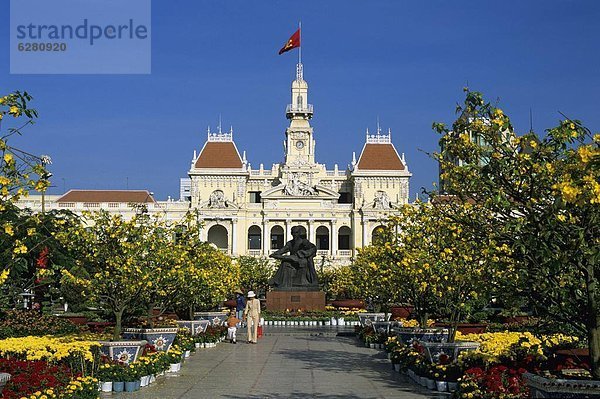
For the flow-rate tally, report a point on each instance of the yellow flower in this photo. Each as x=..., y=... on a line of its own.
x=8, y=229
x=8, y=158
x=4, y=275
x=14, y=110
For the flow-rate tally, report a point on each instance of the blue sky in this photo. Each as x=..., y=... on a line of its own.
x=404, y=62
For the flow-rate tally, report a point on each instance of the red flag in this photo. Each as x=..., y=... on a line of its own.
x=292, y=43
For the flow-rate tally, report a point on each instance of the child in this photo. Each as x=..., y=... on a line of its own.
x=232, y=323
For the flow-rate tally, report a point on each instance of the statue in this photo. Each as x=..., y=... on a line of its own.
x=217, y=200
x=296, y=187
x=382, y=201
x=297, y=270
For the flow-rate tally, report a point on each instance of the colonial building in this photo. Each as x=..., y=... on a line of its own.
x=250, y=211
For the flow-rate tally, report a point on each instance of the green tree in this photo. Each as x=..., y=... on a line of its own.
x=255, y=273
x=20, y=172
x=115, y=253
x=544, y=195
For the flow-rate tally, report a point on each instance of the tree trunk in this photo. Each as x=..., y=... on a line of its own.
x=118, y=322
x=593, y=324
x=594, y=346
x=191, y=314
x=423, y=317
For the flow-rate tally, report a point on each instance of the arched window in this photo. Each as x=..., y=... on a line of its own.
x=218, y=235
x=254, y=237
x=299, y=101
x=344, y=234
x=378, y=236
x=276, y=237
x=322, y=238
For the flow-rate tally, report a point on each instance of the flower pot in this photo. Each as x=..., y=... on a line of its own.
x=397, y=367
x=122, y=351
x=161, y=338
x=327, y=322
x=152, y=379
x=138, y=384
x=348, y=303
x=333, y=321
x=423, y=381
x=80, y=320
x=340, y=321
x=452, y=386
x=541, y=387
x=402, y=312
x=230, y=303
x=216, y=318
x=441, y=386
x=444, y=352
x=130, y=386
x=118, y=386
x=430, y=383
x=466, y=328
x=198, y=345
x=194, y=326
x=174, y=367
x=372, y=346
x=106, y=386
x=408, y=335
x=187, y=354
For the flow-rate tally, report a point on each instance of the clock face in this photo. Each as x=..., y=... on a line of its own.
x=299, y=145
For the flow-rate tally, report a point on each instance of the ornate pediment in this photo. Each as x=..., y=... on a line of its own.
x=304, y=191
x=217, y=200
x=381, y=202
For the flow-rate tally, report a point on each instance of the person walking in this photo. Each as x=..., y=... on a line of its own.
x=252, y=316
x=232, y=323
x=240, y=304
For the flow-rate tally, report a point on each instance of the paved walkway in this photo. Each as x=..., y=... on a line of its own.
x=286, y=363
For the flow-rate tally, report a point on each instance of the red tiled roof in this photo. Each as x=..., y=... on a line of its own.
x=379, y=157
x=129, y=196
x=219, y=155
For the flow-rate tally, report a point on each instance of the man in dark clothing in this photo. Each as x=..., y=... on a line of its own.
x=240, y=305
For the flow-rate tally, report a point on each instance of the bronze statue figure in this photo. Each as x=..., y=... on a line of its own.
x=297, y=270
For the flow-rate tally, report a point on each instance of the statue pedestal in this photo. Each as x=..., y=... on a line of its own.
x=305, y=300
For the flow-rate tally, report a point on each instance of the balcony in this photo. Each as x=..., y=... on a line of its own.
x=255, y=252
x=344, y=253
x=295, y=109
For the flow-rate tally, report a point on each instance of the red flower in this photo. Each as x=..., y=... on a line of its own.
x=42, y=260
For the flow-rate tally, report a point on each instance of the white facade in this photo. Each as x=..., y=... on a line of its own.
x=244, y=208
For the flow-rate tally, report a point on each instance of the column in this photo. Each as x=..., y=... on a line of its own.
x=266, y=242
x=364, y=232
x=311, y=230
x=334, y=237
x=233, y=236
x=288, y=230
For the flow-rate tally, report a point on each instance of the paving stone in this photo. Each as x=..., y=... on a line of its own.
x=286, y=363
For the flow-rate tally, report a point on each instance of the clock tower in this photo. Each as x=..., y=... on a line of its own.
x=299, y=144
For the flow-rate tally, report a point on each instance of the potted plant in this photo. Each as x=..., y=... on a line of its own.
x=174, y=356
x=106, y=375
x=130, y=377
x=118, y=371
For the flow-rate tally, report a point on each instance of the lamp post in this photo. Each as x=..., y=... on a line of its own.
x=45, y=160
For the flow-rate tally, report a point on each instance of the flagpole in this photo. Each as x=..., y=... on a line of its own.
x=300, y=47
